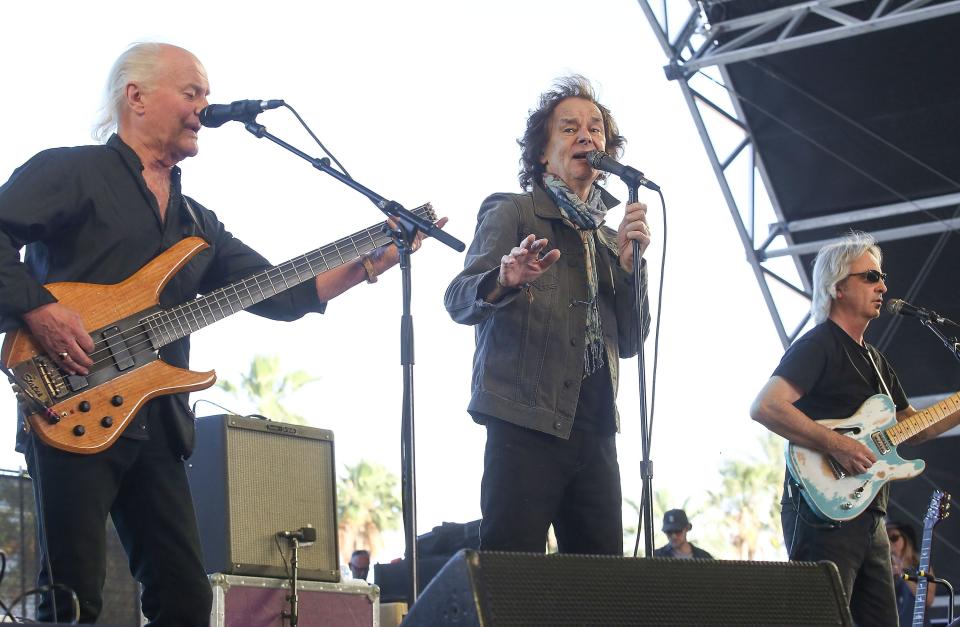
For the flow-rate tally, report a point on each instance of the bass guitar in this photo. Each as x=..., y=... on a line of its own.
x=829, y=489
x=86, y=414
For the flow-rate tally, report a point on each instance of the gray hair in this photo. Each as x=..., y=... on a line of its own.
x=832, y=265
x=137, y=64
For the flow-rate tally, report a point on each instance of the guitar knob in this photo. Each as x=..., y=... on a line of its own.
x=116, y=401
x=84, y=406
x=847, y=506
x=79, y=430
x=106, y=422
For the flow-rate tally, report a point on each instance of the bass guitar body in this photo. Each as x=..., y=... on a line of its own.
x=86, y=414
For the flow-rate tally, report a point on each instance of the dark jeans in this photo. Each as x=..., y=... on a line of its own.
x=143, y=486
x=532, y=479
x=860, y=550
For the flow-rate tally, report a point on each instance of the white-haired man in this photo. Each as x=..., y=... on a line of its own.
x=828, y=373
x=96, y=214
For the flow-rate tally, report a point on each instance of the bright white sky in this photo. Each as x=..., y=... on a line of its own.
x=421, y=101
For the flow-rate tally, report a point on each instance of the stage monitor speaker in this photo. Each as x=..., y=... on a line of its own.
x=250, y=479
x=494, y=589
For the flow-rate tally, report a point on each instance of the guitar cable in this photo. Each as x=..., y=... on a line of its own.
x=29, y=399
x=796, y=500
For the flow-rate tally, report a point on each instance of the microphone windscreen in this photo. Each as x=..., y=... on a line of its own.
x=593, y=157
x=894, y=305
x=309, y=534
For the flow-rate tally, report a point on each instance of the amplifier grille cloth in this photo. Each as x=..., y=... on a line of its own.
x=274, y=483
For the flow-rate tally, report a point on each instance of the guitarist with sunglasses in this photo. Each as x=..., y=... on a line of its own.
x=97, y=215
x=829, y=373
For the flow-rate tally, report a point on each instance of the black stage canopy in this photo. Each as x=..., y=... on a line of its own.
x=853, y=112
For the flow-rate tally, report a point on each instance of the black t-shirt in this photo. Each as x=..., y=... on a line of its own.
x=836, y=376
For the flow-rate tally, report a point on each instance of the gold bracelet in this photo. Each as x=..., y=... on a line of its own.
x=368, y=266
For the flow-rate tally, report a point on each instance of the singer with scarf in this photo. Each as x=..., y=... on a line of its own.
x=549, y=289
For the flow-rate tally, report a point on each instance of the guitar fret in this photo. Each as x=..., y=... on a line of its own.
x=166, y=326
x=905, y=429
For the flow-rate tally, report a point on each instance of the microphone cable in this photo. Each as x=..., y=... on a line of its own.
x=656, y=359
x=317, y=139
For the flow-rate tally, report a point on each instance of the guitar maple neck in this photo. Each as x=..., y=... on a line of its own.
x=169, y=325
x=905, y=429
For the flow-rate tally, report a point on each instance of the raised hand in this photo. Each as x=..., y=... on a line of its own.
x=523, y=264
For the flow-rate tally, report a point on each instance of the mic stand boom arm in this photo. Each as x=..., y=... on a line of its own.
x=408, y=224
x=950, y=342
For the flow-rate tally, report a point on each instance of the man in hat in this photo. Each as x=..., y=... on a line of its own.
x=676, y=526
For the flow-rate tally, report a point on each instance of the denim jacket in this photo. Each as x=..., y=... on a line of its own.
x=529, y=357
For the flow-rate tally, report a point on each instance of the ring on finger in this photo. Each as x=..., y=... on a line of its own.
x=63, y=355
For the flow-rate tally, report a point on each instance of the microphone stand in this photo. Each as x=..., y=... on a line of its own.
x=408, y=225
x=912, y=575
x=634, y=181
x=293, y=597
x=952, y=344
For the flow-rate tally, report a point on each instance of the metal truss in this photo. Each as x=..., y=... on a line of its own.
x=829, y=24
x=692, y=55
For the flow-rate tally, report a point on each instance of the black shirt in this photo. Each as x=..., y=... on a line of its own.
x=836, y=376
x=85, y=214
x=596, y=410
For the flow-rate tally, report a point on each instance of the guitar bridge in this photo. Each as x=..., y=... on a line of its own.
x=882, y=442
x=43, y=378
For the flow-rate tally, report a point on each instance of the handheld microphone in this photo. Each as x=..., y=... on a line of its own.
x=216, y=115
x=899, y=307
x=304, y=535
x=600, y=160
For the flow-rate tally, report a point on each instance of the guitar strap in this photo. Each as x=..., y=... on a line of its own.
x=879, y=376
x=193, y=213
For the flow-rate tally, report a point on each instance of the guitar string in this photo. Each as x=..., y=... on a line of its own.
x=280, y=272
x=220, y=300
x=187, y=315
x=174, y=316
x=344, y=243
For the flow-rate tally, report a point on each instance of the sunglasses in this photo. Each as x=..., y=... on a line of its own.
x=871, y=276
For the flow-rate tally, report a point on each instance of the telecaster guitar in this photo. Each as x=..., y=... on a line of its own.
x=86, y=414
x=836, y=495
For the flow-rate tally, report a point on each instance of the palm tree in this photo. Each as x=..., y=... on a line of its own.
x=749, y=499
x=267, y=388
x=367, y=505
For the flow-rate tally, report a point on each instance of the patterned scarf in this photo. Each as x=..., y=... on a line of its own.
x=585, y=217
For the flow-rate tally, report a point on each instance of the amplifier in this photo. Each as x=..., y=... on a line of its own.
x=250, y=479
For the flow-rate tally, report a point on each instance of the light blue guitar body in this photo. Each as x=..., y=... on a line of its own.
x=827, y=488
